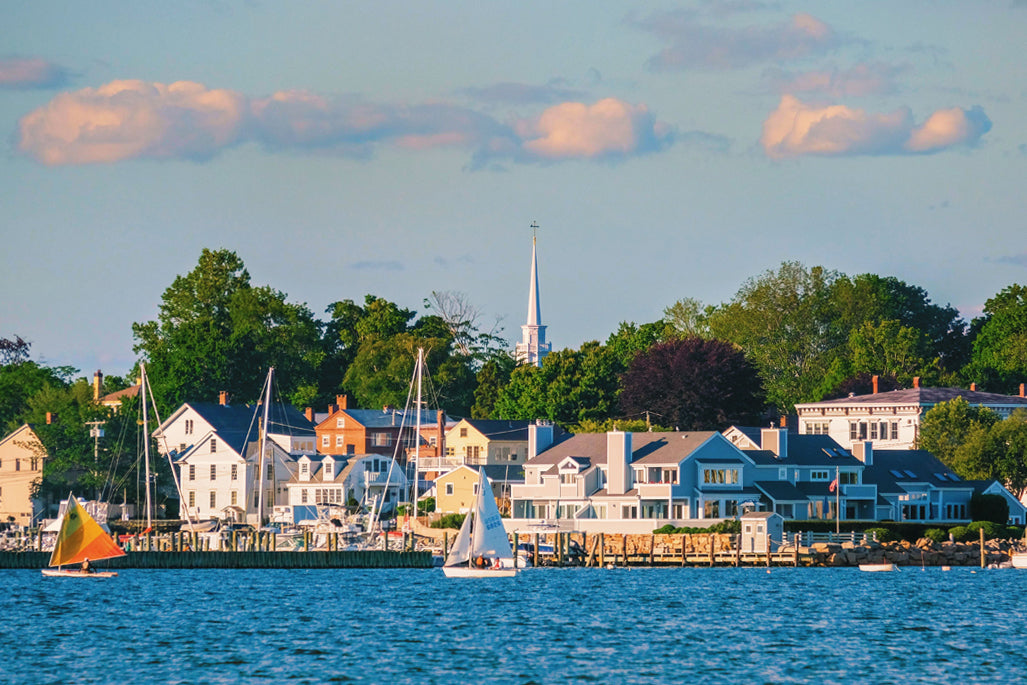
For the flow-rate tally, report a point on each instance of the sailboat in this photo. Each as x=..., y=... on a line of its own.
x=482, y=548
x=81, y=539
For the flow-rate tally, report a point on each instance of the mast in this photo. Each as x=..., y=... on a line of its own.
x=263, y=444
x=417, y=431
x=146, y=443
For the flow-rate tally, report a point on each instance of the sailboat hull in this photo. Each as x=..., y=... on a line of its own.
x=77, y=573
x=469, y=572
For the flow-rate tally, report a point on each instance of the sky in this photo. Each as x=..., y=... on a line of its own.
x=665, y=150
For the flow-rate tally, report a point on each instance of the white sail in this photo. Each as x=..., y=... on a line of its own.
x=461, y=551
x=489, y=537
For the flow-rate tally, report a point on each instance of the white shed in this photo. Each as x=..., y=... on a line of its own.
x=762, y=531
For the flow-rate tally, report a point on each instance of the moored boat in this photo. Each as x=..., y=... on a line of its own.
x=878, y=567
x=81, y=540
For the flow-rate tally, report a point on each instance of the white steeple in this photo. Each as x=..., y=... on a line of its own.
x=533, y=346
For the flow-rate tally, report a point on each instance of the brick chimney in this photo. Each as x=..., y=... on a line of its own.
x=916, y=381
x=97, y=384
x=1021, y=390
x=864, y=451
x=223, y=398
x=874, y=379
x=342, y=401
x=309, y=413
x=441, y=442
x=973, y=387
x=50, y=417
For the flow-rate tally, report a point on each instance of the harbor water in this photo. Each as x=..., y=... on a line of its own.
x=576, y=625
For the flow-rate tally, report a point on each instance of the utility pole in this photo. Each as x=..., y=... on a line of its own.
x=95, y=432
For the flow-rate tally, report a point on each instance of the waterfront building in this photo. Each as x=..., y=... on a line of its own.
x=891, y=420
x=22, y=455
x=533, y=347
x=338, y=480
x=374, y=431
x=456, y=490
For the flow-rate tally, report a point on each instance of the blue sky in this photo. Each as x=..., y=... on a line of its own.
x=666, y=150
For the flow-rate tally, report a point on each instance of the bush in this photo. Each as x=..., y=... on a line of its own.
x=880, y=534
x=729, y=526
x=449, y=521
x=991, y=530
x=936, y=534
x=959, y=533
x=992, y=508
x=1014, y=533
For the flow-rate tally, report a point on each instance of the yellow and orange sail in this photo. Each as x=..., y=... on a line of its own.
x=81, y=538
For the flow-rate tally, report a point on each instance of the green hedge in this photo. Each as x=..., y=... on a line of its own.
x=729, y=526
x=904, y=530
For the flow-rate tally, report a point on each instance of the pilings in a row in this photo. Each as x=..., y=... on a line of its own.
x=232, y=560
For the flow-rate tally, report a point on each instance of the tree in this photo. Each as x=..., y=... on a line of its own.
x=948, y=427
x=490, y=380
x=786, y=323
x=216, y=332
x=693, y=384
x=21, y=378
x=631, y=339
x=461, y=319
x=999, y=360
x=689, y=317
x=888, y=348
x=992, y=508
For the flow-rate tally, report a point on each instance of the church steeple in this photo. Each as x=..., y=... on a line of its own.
x=533, y=346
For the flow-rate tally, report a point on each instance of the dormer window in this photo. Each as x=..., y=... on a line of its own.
x=304, y=468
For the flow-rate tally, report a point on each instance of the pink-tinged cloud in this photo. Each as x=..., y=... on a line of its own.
x=610, y=128
x=138, y=120
x=861, y=80
x=25, y=73
x=692, y=44
x=133, y=119
x=795, y=129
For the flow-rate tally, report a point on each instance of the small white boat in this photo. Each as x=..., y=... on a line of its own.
x=878, y=567
x=77, y=573
x=1018, y=559
x=482, y=548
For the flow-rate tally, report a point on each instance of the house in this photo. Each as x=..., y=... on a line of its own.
x=338, y=480
x=479, y=442
x=216, y=448
x=456, y=489
x=891, y=420
x=21, y=466
x=374, y=431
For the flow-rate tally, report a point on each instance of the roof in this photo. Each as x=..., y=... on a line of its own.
x=130, y=391
x=501, y=430
x=647, y=448
x=781, y=491
x=924, y=397
x=282, y=419
x=760, y=515
x=514, y=473
x=802, y=450
x=892, y=470
x=390, y=418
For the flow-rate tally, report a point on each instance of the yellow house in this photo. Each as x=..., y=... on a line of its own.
x=479, y=442
x=455, y=491
x=21, y=465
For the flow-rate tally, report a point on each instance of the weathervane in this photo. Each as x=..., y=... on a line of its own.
x=534, y=229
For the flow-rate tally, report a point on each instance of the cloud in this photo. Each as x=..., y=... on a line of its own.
x=692, y=44
x=24, y=73
x=608, y=129
x=860, y=80
x=139, y=120
x=1016, y=260
x=796, y=128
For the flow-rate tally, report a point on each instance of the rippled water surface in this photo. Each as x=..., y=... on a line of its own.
x=545, y=626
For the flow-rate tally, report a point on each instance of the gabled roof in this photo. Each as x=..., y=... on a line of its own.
x=781, y=491
x=500, y=430
x=18, y=431
x=501, y=473
x=647, y=448
x=925, y=397
x=115, y=397
x=389, y=418
x=892, y=470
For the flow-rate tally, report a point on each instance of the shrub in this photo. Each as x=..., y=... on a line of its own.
x=936, y=534
x=881, y=534
x=992, y=508
x=449, y=521
x=729, y=526
x=1014, y=532
x=991, y=530
x=959, y=533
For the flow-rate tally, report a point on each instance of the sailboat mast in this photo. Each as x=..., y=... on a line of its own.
x=263, y=443
x=146, y=443
x=417, y=432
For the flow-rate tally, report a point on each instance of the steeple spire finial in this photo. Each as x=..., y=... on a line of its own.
x=533, y=346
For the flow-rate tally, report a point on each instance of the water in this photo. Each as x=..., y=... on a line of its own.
x=545, y=626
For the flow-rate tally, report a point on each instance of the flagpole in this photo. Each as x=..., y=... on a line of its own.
x=837, y=502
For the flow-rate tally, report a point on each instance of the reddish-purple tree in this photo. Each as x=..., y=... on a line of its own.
x=693, y=384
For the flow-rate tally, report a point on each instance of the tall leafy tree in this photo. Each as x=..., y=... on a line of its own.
x=490, y=380
x=999, y=360
x=693, y=384
x=21, y=378
x=948, y=426
x=786, y=323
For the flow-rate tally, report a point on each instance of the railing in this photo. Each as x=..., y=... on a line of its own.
x=807, y=538
x=439, y=463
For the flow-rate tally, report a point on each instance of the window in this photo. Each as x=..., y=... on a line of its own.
x=433, y=441
x=188, y=426
x=567, y=478
x=235, y=498
x=213, y=472
x=720, y=476
x=340, y=422
x=894, y=430
x=711, y=509
x=269, y=473
x=303, y=496
x=731, y=508
x=449, y=488
x=34, y=464
x=817, y=427
x=339, y=440
x=192, y=471
x=848, y=478
x=326, y=440
x=17, y=464
x=235, y=473
x=304, y=468
x=382, y=439
x=213, y=499
x=472, y=452
x=463, y=432
x=474, y=490
x=351, y=449
x=192, y=498
x=873, y=431
x=819, y=475
x=213, y=445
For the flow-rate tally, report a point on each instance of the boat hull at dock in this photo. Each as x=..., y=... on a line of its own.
x=470, y=572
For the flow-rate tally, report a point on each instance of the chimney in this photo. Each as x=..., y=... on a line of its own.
x=916, y=381
x=874, y=379
x=342, y=401
x=864, y=451
x=440, y=444
x=223, y=398
x=1021, y=390
x=309, y=413
x=97, y=383
x=973, y=387
x=784, y=421
x=775, y=440
x=618, y=462
x=540, y=437
x=50, y=417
